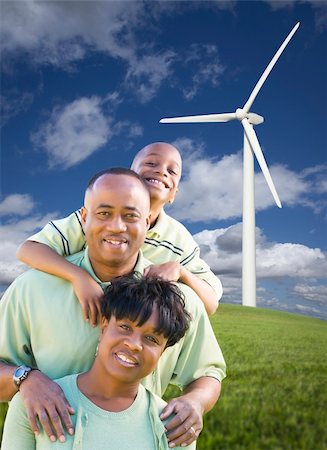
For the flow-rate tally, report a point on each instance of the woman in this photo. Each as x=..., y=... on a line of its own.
x=113, y=411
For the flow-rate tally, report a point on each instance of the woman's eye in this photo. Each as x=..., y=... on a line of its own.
x=152, y=339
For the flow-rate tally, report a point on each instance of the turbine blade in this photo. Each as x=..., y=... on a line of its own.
x=202, y=118
x=253, y=140
x=269, y=68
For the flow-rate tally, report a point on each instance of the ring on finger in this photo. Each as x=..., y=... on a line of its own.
x=192, y=429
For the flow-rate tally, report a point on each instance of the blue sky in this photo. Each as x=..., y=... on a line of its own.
x=84, y=85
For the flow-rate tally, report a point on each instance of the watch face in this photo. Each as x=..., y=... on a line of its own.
x=19, y=372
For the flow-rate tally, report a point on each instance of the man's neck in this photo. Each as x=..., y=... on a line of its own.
x=107, y=273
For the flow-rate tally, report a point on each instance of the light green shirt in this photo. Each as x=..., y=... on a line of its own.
x=41, y=325
x=136, y=428
x=168, y=240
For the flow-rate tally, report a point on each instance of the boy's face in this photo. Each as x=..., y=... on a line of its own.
x=160, y=165
x=128, y=352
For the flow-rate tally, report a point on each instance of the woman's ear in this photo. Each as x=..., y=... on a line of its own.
x=103, y=325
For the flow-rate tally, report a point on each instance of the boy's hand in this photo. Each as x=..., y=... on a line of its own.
x=186, y=425
x=89, y=294
x=169, y=271
x=45, y=400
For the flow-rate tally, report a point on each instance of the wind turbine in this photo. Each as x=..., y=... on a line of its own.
x=251, y=145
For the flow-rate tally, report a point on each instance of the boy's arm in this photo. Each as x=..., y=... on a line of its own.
x=174, y=271
x=87, y=290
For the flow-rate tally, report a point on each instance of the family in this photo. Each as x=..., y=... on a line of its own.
x=114, y=310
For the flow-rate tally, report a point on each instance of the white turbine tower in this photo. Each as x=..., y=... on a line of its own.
x=251, y=145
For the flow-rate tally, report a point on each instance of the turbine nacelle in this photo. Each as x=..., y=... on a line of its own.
x=253, y=118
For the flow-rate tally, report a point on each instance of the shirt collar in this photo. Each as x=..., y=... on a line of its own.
x=157, y=230
x=140, y=265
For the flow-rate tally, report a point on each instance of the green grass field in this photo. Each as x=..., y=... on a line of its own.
x=275, y=395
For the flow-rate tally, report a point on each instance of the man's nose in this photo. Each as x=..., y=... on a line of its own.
x=116, y=224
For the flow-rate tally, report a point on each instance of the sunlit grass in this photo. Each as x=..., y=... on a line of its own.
x=275, y=395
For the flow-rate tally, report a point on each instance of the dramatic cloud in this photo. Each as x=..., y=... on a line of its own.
x=222, y=250
x=36, y=29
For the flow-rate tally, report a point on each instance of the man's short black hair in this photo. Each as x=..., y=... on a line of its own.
x=134, y=297
x=116, y=171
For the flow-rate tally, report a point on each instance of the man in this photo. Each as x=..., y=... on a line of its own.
x=174, y=254
x=42, y=326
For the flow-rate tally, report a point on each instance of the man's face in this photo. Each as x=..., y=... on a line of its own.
x=129, y=352
x=115, y=220
x=160, y=166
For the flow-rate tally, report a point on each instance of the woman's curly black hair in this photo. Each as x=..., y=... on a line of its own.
x=134, y=297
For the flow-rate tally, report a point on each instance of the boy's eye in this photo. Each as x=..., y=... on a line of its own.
x=125, y=327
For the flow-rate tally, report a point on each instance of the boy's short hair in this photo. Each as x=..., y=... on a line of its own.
x=134, y=297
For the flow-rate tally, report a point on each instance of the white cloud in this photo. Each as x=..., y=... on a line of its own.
x=146, y=74
x=62, y=33
x=13, y=103
x=222, y=250
x=15, y=230
x=74, y=132
x=320, y=9
x=317, y=293
x=218, y=193
x=206, y=66
x=17, y=204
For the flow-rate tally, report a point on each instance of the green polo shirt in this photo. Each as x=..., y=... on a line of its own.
x=41, y=325
x=168, y=240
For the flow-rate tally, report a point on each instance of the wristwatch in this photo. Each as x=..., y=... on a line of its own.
x=21, y=374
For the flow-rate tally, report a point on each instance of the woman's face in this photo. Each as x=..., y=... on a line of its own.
x=129, y=352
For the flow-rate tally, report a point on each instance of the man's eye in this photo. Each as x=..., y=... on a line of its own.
x=132, y=216
x=103, y=213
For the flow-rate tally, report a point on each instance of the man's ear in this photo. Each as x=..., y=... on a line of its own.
x=83, y=214
x=148, y=221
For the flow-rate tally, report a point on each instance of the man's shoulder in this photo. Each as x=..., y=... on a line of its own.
x=193, y=303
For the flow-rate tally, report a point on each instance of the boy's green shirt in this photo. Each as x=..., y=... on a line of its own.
x=167, y=241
